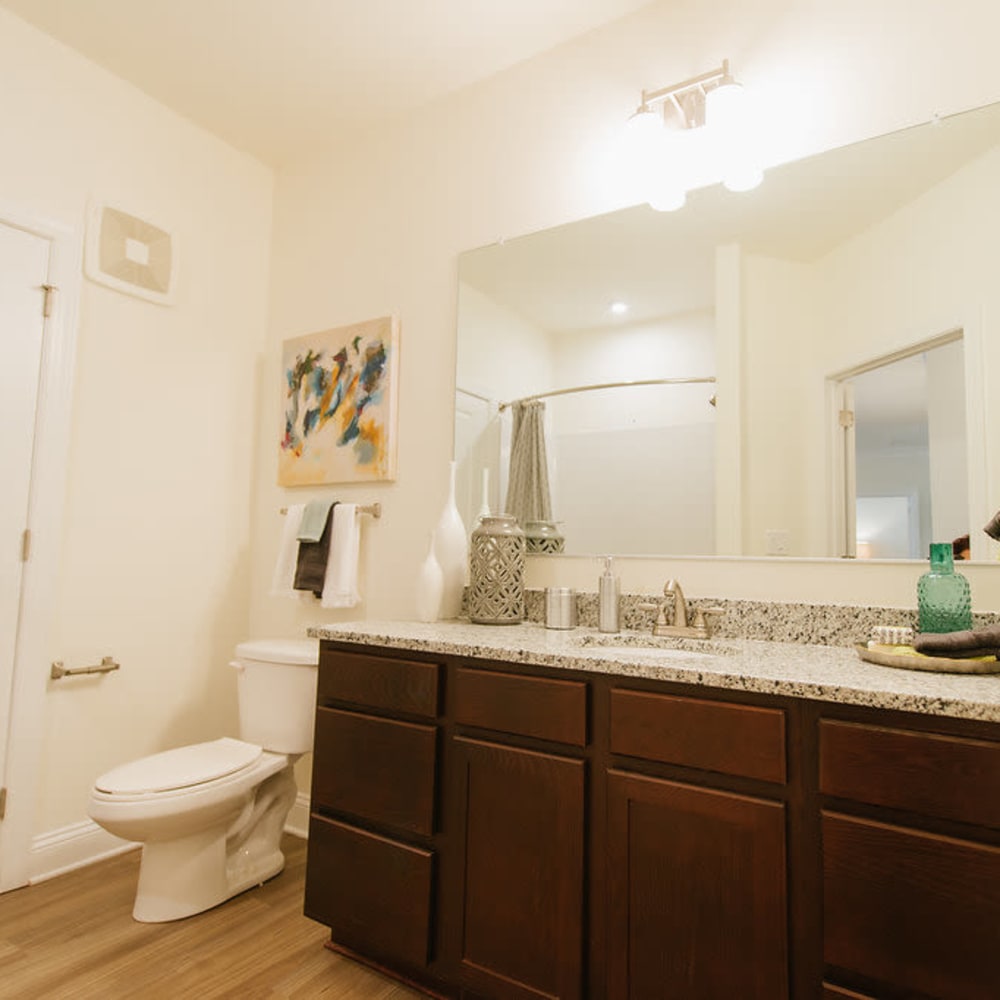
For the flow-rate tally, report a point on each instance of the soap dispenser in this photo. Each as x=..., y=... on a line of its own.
x=608, y=594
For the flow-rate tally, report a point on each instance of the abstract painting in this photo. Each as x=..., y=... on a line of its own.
x=340, y=389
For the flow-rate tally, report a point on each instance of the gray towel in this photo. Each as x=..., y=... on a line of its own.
x=960, y=645
x=310, y=568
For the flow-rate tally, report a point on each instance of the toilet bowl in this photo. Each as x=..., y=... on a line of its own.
x=210, y=815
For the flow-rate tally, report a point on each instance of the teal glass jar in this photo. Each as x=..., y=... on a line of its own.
x=944, y=600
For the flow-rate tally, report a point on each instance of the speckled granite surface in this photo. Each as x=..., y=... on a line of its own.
x=796, y=669
x=825, y=624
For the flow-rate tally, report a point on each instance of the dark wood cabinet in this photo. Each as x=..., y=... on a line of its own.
x=374, y=893
x=911, y=861
x=522, y=850
x=494, y=831
x=697, y=892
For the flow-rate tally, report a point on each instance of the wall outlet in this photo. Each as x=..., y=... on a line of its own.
x=777, y=541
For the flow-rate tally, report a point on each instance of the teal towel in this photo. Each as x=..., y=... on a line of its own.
x=314, y=520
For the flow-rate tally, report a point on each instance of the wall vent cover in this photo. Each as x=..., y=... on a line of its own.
x=130, y=255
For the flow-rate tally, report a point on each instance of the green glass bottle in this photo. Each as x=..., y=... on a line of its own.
x=944, y=601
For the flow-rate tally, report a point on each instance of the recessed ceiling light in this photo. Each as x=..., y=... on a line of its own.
x=619, y=308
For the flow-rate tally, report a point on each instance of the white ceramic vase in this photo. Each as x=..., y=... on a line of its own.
x=484, y=503
x=430, y=587
x=451, y=546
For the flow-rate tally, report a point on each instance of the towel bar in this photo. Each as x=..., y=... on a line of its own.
x=107, y=664
x=375, y=509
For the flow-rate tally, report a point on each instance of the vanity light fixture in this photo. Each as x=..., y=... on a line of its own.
x=619, y=308
x=698, y=126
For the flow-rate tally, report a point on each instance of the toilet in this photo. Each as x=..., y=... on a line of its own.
x=210, y=815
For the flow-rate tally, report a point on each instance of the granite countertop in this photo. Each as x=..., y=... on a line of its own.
x=823, y=673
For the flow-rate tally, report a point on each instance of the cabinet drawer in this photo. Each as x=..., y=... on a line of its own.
x=839, y=993
x=914, y=909
x=942, y=776
x=740, y=740
x=525, y=706
x=379, y=769
x=372, y=892
x=379, y=682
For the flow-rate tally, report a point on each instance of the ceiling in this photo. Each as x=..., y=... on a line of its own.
x=282, y=78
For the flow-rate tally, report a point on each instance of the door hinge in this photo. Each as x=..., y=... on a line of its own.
x=3, y=802
x=25, y=544
x=50, y=293
x=847, y=418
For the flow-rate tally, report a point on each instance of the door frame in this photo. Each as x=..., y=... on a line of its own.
x=46, y=504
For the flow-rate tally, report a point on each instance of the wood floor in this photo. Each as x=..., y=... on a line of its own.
x=73, y=938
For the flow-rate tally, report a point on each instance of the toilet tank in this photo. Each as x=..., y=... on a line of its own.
x=276, y=687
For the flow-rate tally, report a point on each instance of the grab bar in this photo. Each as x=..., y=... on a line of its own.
x=107, y=664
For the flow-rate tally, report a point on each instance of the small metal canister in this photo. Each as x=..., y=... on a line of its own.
x=560, y=607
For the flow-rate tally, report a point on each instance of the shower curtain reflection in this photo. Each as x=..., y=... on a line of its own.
x=528, y=494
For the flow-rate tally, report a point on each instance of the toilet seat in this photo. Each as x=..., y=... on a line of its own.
x=184, y=767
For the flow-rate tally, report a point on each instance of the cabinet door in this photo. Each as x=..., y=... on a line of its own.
x=697, y=893
x=522, y=898
x=914, y=910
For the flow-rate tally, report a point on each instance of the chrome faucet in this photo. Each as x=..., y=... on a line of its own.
x=674, y=595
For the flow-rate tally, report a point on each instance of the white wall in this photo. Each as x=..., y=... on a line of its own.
x=156, y=549
x=377, y=225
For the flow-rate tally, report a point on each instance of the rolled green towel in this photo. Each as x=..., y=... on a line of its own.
x=959, y=645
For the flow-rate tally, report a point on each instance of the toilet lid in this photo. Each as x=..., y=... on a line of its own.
x=300, y=652
x=180, y=768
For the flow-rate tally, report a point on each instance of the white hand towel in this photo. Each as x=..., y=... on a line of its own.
x=340, y=586
x=283, y=580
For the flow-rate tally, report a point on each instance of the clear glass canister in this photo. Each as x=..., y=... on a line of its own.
x=496, y=571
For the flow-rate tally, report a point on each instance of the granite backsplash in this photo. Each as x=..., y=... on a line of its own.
x=820, y=624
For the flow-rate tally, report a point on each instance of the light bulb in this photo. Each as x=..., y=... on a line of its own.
x=742, y=174
x=644, y=130
x=725, y=106
x=667, y=197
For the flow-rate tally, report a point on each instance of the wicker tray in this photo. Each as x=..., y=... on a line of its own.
x=918, y=661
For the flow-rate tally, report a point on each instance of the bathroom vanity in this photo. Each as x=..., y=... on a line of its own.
x=515, y=813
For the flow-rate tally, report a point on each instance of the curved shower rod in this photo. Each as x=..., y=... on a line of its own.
x=610, y=385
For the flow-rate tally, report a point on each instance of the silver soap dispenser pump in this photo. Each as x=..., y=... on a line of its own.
x=608, y=599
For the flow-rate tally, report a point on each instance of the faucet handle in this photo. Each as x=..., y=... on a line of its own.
x=660, y=608
x=701, y=616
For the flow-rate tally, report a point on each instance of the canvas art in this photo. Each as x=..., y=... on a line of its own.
x=339, y=390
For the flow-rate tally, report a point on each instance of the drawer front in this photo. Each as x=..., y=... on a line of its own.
x=915, y=910
x=372, y=892
x=379, y=682
x=525, y=706
x=380, y=769
x=942, y=776
x=741, y=740
x=839, y=993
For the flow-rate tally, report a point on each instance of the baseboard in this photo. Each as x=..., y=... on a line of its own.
x=83, y=843
x=298, y=817
x=70, y=847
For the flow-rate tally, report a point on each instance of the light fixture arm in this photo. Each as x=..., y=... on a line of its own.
x=673, y=92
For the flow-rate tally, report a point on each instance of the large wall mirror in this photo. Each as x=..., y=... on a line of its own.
x=801, y=370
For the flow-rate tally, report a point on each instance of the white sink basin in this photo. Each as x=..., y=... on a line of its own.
x=649, y=647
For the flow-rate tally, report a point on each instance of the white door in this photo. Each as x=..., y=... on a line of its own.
x=24, y=269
